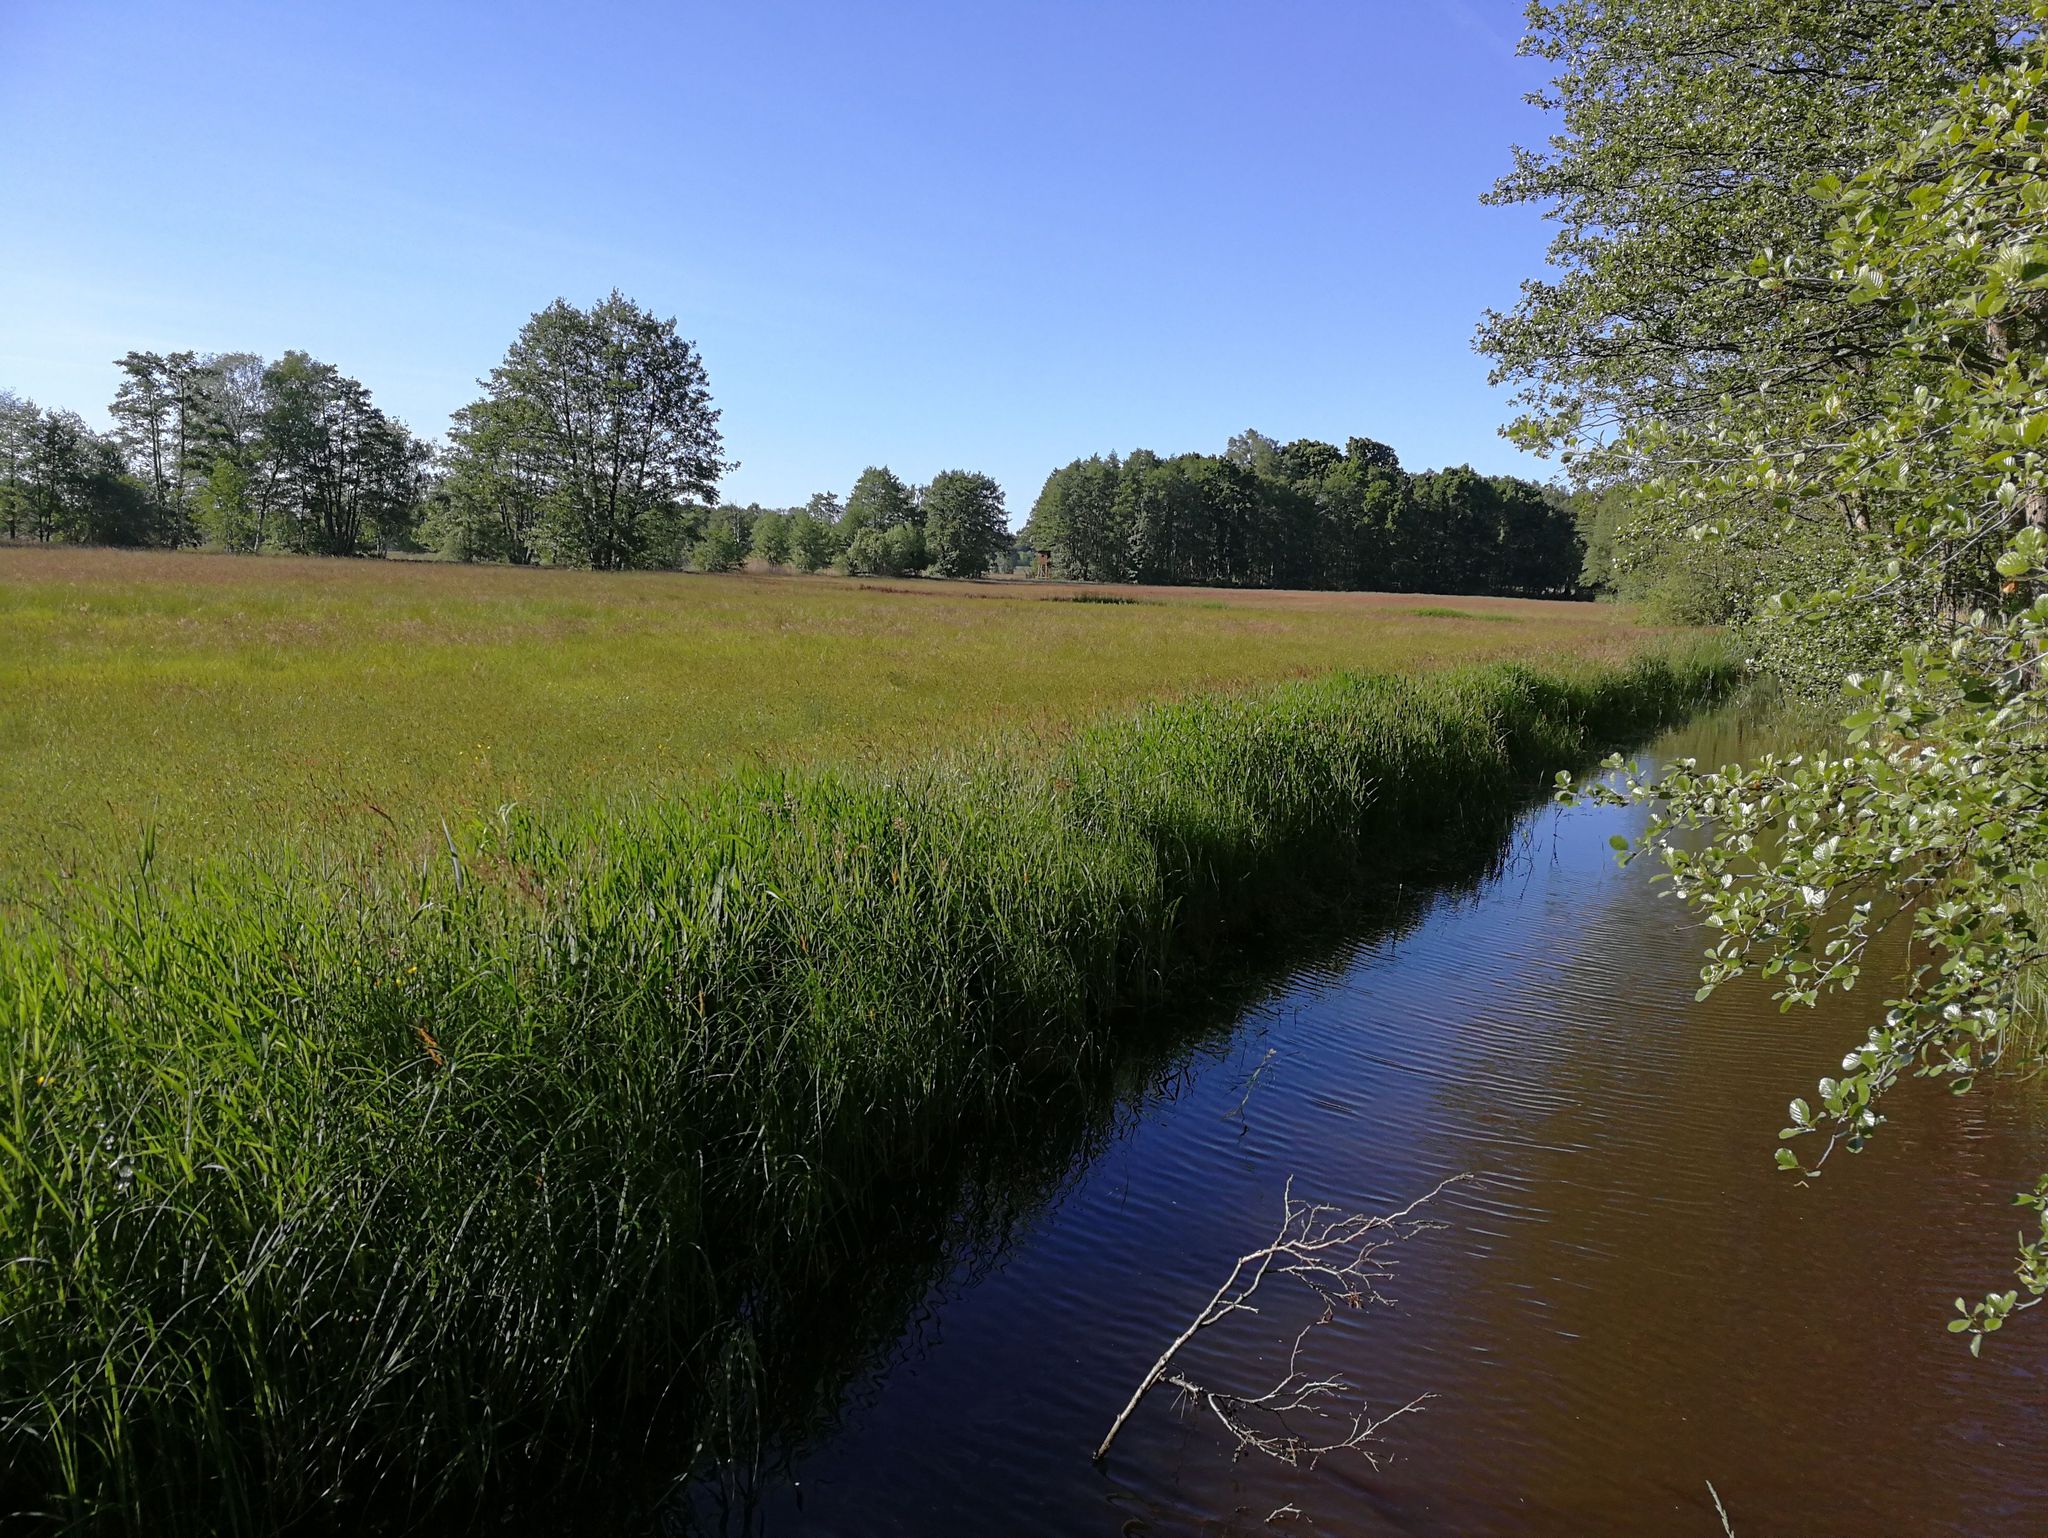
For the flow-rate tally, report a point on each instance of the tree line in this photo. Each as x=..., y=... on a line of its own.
x=1304, y=514
x=595, y=443
x=594, y=433
x=956, y=526
x=221, y=448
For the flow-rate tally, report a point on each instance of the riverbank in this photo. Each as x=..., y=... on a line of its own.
x=1601, y=1319
x=335, y=1196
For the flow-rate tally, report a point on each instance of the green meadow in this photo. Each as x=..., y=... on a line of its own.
x=227, y=705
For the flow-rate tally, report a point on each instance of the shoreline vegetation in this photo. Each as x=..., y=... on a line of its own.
x=365, y=1200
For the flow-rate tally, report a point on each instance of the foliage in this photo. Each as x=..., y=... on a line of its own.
x=491, y=503
x=813, y=538
x=221, y=447
x=1690, y=135
x=1304, y=515
x=159, y=417
x=327, y=1196
x=595, y=439
x=224, y=510
x=70, y=484
x=964, y=523
x=880, y=501
x=596, y=445
x=718, y=549
x=19, y=421
x=895, y=551
x=611, y=411
x=229, y=442
x=349, y=477
x=769, y=542
x=1893, y=490
x=720, y=537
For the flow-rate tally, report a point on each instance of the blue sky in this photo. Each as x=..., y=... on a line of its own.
x=978, y=235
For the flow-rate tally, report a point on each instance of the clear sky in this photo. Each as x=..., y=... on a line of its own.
x=986, y=234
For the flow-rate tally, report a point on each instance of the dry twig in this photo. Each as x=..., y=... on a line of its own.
x=1340, y=1257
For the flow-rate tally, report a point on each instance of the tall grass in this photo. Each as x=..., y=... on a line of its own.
x=333, y=1199
x=340, y=706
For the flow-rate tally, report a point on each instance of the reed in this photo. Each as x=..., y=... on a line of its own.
x=341, y=1189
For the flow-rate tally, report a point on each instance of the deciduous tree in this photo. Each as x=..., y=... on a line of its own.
x=351, y=475
x=964, y=523
x=879, y=500
x=615, y=415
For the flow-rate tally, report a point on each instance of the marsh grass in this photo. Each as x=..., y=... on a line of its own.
x=345, y=1191
x=345, y=708
x=1435, y=611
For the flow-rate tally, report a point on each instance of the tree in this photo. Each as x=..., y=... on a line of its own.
x=1304, y=514
x=495, y=487
x=614, y=410
x=1691, y=134
x=223, y=509
x=718, y=548
x=896, y=551
x=19, y=422
x=1885, y=504
x=229, y=406
x=771, y=538
x=144, y=412
x=1305, y=462
x=351, y=476
x=723, y=536
x=1252, y=450
x=903, y=550
x=1449, y=543
x=865, y=554
x=879, y=500
x=1361, y=502
x=75, y=488
x=158, y=409
x=1077, y=518
x=221, y=447
x=228, y=416
x=1371, y=454
x=1537, y=553
x=964, y=523
x=814, y=535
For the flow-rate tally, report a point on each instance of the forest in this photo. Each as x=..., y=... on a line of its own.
x=1305, y=515
x=595, y=445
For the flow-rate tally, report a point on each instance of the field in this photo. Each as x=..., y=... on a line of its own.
x=234, y=703
x=371, y=1192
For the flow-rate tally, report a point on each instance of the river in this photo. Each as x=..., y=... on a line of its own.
x=1625, y=1303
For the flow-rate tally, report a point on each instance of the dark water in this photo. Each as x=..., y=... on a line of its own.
x=1627, y=1303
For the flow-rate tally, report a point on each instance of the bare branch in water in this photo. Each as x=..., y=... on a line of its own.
x=1342, y=1258
x=1720, y=1510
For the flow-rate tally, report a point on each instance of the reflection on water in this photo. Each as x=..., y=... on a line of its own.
x=1628, y=1303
